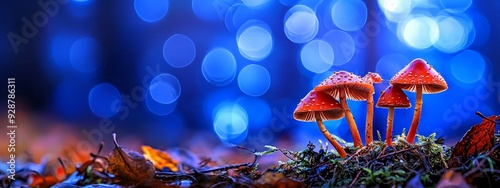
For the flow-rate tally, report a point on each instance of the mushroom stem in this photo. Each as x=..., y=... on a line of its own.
x=350, y=120
x=388, y=132
x=369, y=120
x=329, y=136
x=416, y=116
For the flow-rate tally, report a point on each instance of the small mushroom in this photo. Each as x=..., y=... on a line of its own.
x=344, y=85
x=318, y=106
x=419, y=77
x=370, y=78
x=392, y=97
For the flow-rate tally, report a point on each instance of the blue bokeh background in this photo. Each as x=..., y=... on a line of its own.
x=166, y=69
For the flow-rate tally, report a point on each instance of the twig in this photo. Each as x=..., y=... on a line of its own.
x=355, y=178
x=486, y=118
x=223, y=168
x=247, y=149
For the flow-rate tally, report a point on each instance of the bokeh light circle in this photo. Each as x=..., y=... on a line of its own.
x=165, y=88
x=254, y=80
x=452, y=35
x=151, y=10
x=219, y=67
x=301, y=24
x=104, y=100
x=179, y=51
x=254, y=40
x=317, y=56
x=419, y=32
x=349, y=15
x=468, y=66
x=255, y=3
x=456, y=6
x=230, y=123
x=85, y=55
x=342, y=44
x=395, y=10
x=158, y=108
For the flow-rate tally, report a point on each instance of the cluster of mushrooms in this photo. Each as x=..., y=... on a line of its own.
x=328, y=100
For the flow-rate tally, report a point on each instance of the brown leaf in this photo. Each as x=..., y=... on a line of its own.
x=452, y=179
x=42, y=182
x=478, y=139
x=128, y=166
x=277, y=180
x=159, y=158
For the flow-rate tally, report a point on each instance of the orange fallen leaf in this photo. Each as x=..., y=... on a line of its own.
x=452, y=179
x=129, y=166
x=42, y=182
x=479, y=139
x=160, y=158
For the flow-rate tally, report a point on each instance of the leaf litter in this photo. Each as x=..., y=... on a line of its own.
x=472, y=162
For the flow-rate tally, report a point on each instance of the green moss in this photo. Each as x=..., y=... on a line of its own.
x=376, y=164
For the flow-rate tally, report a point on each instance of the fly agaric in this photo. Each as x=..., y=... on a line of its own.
x=318, y=106
x=419, y=77
x=392, y=97
x=370, y=78
x=344, y=85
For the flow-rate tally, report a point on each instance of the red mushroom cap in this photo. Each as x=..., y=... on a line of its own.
x=393, y=96
x=318, y=101
x=355, y=87
x=419, y=72
x=372, y=77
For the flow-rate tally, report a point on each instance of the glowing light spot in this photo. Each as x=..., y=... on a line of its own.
x=390, y=64
x=219, y=67
x=349, y=15
x=230, y=123
x=151, y=10
x=317, y=56
x=179, y=51
x=254, y=80
x=301, y=24
x=452, y=35
x=419, y=32
x=104, y=100
x=85, y=55
x=255, y=3
x=159, y=108
x=255, y=41
x=456, y=6
x=258, y=110
x=342, y=44
x=165, y=88
x=395, y=10
x=468, y=66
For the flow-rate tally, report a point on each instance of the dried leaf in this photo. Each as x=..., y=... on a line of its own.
x=128, y=166
x=271, y=179
x=479, y=139
x=159, y=158
x=42, y=182
x=452, y=179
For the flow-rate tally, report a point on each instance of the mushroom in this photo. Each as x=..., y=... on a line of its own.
x=371, y=78
x=418, y=76
x=342, y=85
x=392, y=97
x=318, y=106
